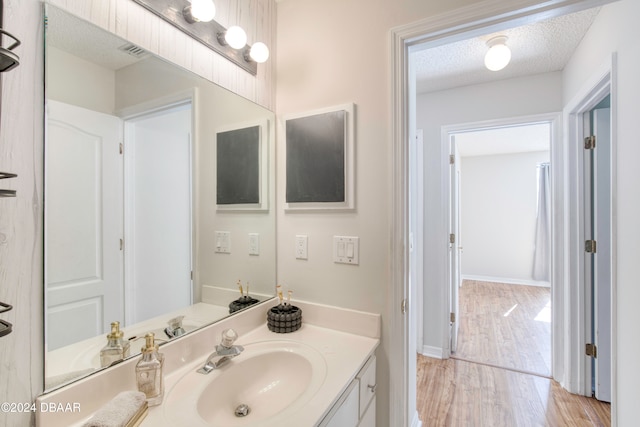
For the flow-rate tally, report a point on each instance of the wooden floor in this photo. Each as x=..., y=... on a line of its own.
x=459, y=393
x=505, y=325
x=504, y=336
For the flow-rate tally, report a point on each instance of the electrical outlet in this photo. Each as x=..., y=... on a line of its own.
x=301, y=246
x=254, y=244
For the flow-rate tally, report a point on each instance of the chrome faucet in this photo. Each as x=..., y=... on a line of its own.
x=225, y=351
x=175, y=328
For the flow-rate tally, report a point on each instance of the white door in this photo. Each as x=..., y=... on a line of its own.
x=158, y=213
x=454, y=239
x=602, y=261
x=83, y=220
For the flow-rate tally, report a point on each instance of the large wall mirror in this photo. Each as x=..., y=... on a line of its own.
x=134, y=230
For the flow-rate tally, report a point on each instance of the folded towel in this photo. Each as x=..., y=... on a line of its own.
x=126, y=406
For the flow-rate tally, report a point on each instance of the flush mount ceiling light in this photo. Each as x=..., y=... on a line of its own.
x=195, y=18
x=498, y=55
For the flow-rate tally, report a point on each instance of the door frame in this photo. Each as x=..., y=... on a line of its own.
x=473, y=20
x=557, y=171
x=602, y=82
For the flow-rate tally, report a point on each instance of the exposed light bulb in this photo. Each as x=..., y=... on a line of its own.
x=498, y=55
x=259, y=52
x=236, y=37
x=200, y=11
x=203, y=10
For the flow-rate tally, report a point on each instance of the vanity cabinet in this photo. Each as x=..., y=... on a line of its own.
x=356, y=407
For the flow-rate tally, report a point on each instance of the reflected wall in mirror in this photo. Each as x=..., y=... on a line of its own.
x=132, y=230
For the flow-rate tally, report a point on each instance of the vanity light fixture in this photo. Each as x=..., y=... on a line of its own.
x=259, y=52
x=195, y=18
x=498, y=55
x=199, y=11
x=234, y=37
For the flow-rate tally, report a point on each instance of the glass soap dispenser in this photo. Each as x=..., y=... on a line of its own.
x=116, y=349
x=149, y=371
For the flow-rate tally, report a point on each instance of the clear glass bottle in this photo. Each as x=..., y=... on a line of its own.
x=116, y=349
x=149, y=372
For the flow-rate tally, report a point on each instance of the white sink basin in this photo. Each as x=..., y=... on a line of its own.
x=270, y=377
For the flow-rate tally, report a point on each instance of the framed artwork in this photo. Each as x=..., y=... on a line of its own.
x=320, y=149
x=242, y=167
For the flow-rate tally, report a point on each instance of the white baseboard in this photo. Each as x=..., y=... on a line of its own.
x=435, y=352
x=416, y=420
x=508, y=280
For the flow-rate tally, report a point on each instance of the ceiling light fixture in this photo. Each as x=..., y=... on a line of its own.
x=498, y=55
x=195, y=18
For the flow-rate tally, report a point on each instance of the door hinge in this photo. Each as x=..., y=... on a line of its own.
x=590, y=246
x=403, y=306
x=452, y=159
x=191, y=275
x=452, y=238
x=590, y=142
x=452, y=317
x=591, y=350
x=121, y=244
x=121, y=148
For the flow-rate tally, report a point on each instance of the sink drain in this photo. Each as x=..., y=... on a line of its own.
x=242, y=410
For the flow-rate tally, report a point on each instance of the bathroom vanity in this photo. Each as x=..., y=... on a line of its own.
x=323, y=374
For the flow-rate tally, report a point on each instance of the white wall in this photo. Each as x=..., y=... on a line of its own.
x=80, y=82
x=501, y=99
x=498, y=215
x=330, y=53
x=616, y=30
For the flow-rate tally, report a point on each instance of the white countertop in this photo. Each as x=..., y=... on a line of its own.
x=344, y=338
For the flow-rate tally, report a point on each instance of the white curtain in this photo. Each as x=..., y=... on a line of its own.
x=542, y=254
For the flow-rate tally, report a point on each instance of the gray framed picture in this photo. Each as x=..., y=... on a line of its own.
x=320, y=159
x=241, y=167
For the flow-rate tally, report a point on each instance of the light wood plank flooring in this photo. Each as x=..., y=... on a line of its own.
x=456, y=393
x=504, y=337
x=505, y=325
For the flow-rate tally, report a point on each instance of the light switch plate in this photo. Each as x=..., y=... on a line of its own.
x=346, y=250
x=223, y=242
x=301, y=246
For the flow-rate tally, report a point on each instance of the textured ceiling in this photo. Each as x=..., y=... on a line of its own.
x=72, y=34
x=536, y=48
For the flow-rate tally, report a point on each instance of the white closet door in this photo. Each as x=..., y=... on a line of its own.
x=83, y=220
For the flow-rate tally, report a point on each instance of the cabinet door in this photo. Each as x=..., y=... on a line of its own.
x=367, y=378
x=345, y=412
x=369, y=417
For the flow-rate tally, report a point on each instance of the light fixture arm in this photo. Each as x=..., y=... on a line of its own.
x=207, y=33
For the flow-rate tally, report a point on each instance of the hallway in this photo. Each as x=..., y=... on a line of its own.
x=456, y=393
x=500, y=375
